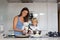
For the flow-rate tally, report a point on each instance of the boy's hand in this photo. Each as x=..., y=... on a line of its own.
x=29, y=32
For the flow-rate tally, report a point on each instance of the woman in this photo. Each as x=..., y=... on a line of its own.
x=19, y=20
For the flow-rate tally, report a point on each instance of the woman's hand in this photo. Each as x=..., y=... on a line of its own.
x=24, y=31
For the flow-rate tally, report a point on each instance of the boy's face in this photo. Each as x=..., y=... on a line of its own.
x=34, y=22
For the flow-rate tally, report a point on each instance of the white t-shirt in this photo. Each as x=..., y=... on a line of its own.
x=34, y=28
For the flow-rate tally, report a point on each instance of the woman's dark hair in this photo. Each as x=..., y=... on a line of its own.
x=26, y=17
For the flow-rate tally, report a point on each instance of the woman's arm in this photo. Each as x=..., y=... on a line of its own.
x=15, y=23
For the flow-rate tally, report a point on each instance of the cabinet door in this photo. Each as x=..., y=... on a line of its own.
x=52, y=17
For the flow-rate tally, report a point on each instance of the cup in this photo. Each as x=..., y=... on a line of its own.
x=34, y=32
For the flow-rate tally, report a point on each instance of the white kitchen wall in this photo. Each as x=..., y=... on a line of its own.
x=47, y=22
x=52, y=17
x=15, y=8
x=3, y=15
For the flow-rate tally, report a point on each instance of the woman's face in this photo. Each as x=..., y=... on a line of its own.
x=24, y=13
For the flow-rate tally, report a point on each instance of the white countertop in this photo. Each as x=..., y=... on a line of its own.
x=43, y=38
x=50, y=38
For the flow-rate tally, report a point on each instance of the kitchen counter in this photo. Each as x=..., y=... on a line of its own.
x=42, y=38
x=50, y=38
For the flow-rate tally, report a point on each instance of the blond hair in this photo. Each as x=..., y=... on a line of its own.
x=34, y=19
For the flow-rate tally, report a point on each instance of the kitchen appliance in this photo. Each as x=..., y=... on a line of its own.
x=25, y=26
x=30, y=16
